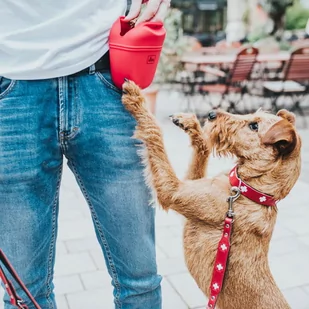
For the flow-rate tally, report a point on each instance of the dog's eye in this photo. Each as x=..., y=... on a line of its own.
x=254, y=126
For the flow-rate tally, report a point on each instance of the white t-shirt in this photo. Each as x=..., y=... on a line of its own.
x=51, y=38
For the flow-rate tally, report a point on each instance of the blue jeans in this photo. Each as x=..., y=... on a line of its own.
x=81, y=118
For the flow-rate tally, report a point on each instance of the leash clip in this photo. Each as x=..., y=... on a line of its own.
x=21, y=304
x=231, y=199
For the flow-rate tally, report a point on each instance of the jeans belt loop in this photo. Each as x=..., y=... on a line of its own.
x=92, y=69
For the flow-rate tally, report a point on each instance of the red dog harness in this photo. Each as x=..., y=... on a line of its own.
x=238, y=187
x=14, y=298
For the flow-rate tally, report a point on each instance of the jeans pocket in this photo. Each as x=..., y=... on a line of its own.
x=6, y=86
x=106, y=79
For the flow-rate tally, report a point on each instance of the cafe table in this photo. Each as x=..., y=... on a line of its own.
x=207, y=59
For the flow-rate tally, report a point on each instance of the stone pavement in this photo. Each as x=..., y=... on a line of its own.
x=81, y=279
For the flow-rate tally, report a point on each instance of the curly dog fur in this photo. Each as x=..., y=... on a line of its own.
x=268, y=160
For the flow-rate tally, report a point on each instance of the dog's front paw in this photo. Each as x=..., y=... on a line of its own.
x=132, y=97
x=190, y=124
x=187, y=122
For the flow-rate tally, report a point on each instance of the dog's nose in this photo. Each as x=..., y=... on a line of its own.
x=212, y=115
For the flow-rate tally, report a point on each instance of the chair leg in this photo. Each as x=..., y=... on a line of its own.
x=232, y=106
x=297, y=108
x=207, y=100
x=274, y=106
x=249, y=103
x=191, y=108
x=220, y=101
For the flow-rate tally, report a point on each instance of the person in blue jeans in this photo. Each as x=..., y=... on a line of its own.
x=57, y=99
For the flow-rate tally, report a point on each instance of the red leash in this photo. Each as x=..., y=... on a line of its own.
x=238, y=187
x=222, y=252
x=14, y=298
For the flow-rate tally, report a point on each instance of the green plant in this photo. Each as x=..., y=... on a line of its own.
x=285, y=45
x=246, y=15
x=257, y=34
x=296, y=17
x=175, y=45
x=276, y=10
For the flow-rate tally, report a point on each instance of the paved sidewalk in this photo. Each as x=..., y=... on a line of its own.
x=81, y=279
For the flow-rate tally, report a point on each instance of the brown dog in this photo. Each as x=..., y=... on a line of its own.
x=268, y=151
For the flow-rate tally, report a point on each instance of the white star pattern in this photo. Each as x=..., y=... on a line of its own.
x=223, y=247
x=243, y=189
x=262, y=199
x=215, y=286
x=232, y=174
x=219, y=267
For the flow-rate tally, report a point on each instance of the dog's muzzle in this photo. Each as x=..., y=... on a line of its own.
x=212, y=115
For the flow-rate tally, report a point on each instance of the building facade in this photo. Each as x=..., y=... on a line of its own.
x=205, y=19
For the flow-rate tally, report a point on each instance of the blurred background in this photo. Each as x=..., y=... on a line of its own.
x=214, y=21
x=201, y=59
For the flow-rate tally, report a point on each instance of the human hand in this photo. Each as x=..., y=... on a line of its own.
x=155, y=10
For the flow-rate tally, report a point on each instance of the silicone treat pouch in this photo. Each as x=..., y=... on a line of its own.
x=135, y=51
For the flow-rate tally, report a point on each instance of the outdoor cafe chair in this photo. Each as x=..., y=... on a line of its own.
x=232, y=85
x=294, y=83
x=190, y=79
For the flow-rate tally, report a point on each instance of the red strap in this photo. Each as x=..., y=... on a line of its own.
x=14, y=298
x=249, y=192
x=220, y=263
x=225, y=244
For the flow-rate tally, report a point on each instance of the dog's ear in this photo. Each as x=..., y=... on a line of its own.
x=285, y=114
x=282, y=136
